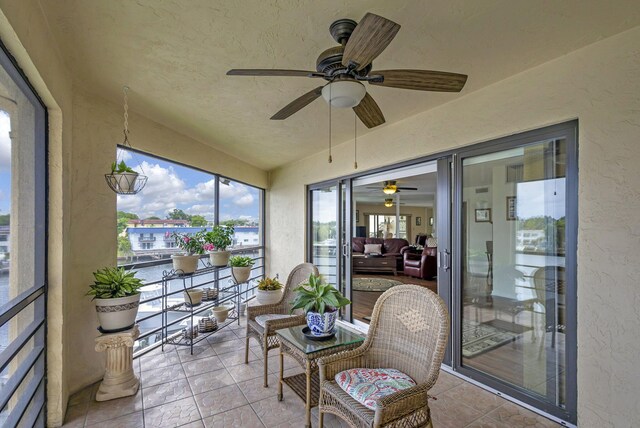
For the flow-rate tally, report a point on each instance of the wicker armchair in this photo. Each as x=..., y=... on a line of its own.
x=408, y=332
x=266, y=335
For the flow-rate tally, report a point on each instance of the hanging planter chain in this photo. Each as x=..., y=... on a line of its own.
x=126, y=182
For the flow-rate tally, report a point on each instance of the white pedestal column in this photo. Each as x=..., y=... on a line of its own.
x=119, y=379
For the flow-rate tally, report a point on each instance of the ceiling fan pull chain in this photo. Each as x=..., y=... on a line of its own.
x=330, y=159
x=355, y=141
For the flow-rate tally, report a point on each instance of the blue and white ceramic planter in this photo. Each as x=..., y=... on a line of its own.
x=321, y=323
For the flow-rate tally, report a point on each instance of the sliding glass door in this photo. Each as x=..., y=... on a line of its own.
x=330, y=228
x=515, y=319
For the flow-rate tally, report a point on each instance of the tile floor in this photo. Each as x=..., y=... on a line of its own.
x=214, y=388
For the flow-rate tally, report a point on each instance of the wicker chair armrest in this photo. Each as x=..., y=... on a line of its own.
x=275, y=308
x=270, y=326
x=333, y=364
x=401, y=403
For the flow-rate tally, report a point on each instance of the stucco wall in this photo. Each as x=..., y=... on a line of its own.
x=599, y=85
x=97, y=129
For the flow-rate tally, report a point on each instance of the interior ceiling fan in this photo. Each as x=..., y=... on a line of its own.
x=349, y=64
x=390, y=187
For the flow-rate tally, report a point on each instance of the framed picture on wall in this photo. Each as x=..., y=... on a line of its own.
x=483, y=215
x=511, y=208
x=418, y=221
x=357, y=216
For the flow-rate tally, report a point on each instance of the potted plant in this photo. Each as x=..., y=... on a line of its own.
x=269, y=291
x=240, y=268
x=124, y=176
x=192, y=247
x=320, y=302
x=117, y=296
x=216, y=242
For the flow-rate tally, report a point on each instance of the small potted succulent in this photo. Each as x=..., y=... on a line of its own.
x=240, y=268
x=124, y=176
x=320, y=302
x=216, y=242
x=269, y=291
x=192, y=247
x=116, y=293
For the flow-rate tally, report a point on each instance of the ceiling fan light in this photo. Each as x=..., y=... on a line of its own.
x=388, y=203
x=344, y=93
x=390, y=189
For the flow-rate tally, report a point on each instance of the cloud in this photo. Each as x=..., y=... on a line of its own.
x=123, y=155
x=5, y=142
x=166, y=190
x=238, y=194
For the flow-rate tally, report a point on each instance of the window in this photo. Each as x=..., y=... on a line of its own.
x=23, y=172
x=184, y=200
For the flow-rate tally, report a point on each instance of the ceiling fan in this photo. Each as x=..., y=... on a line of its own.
x=390, y=187
x=349, y=64
x=389, y=203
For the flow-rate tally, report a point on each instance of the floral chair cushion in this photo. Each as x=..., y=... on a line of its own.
x=367, y=386
x=262, y=319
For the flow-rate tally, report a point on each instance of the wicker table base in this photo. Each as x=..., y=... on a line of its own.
x=306, y=385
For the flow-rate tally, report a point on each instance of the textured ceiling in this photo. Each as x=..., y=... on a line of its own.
x=174, y=55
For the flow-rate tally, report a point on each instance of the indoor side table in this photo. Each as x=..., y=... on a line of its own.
x=307, y=352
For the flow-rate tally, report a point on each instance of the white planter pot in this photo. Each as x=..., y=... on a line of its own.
x=267, y=297
x=241, y=274
x=117, y=314
x=219, y=258
x=126, y=181
x=193, y=297
x=220, y=313
x=186, y=264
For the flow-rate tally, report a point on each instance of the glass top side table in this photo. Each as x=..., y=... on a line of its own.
x=307, y=352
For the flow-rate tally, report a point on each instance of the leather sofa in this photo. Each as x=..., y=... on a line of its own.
x=391, y=247
x=424, y=265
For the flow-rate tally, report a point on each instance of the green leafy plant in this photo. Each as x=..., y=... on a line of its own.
x=318, y=296
x=269, y=284
x=190, y=244
x=121, y=168
x=113, y=282
x=240, y=261
x=219, y=238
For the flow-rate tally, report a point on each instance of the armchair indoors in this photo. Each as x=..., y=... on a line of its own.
x=264, y=320
x=385, y=381
x=424, y=265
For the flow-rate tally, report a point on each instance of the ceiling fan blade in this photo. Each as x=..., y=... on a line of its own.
x=370, y=37
x=407, y=188
x=421, y=80
x=271, y=72
x=369, y=112
x=298, y=104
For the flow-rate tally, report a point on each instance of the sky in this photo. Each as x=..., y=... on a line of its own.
x=172, y=186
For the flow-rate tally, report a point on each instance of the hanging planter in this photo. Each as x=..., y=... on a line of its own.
x=125, y=180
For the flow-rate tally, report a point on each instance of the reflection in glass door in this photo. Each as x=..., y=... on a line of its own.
x=514, y=328
x=324, y=231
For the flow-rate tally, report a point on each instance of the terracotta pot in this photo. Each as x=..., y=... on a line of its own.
x=241, y=274
x=117, y=314
x=219, y=258
x=267, y=297
x=185, y=264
